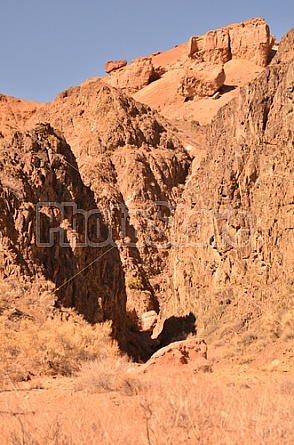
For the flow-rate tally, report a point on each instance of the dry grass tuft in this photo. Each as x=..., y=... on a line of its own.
x=173, y=409
x=206, y=413
x=108, y=374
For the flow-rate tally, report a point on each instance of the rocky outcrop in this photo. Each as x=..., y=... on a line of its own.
x=235, y=219
x=285, y=51
x=193, y=70
x=250, y=40
x=133, y=77
x=202, y=80
x=214, y=47
x=208, y=237
x=14, y=113
x=133, y=162
x=49, y=228
x=191, y=353
x=113, y=65
x=148, y=321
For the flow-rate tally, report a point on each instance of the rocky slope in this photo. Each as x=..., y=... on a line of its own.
x=183, y=218
x=42, y=238
x=14, y=113
x=181, y=82
x=133, y=162
x=235, y=223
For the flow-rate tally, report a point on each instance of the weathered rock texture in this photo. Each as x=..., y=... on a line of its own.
x=38, y=173
x=250, y=40
x=14, y=113
x=135, y=165
x=222, y=60
x=147, y=321
x=191, y=353
x=133, y=77
x=202, y=80
x=214, y=47
x=113, y=65
x=208, y=238
x=235, y=223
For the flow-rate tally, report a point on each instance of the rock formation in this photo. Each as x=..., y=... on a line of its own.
x=236, y=217
x=133, y=77
x=113, y=65
x=148, y=321
x=214, y=47
x=202, y=80
x=134, y=163
x=250, y=40
x=222, y=61
x=170, y=235
x=40, y=187
x=14, y=114
x=191, y=353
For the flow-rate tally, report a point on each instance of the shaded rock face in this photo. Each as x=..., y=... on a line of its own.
x=42, y=236
x=133, y=162
x=250, y=40
x=235, y=223
x=177, y=328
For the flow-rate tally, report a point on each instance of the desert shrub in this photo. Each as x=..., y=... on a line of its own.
x=134, y=283
x=53, y=347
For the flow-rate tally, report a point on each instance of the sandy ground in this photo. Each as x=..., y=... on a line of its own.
x=162, y=94
x=249, y=403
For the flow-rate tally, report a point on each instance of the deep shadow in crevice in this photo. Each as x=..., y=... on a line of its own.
x=271, y=55
x=140, y=346
x=176, y=329
x=227, y=88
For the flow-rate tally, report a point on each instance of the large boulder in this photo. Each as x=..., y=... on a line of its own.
x=148, y=321
x=191, y=353
x=113, y=65
x=202, y=80
x=133, y=77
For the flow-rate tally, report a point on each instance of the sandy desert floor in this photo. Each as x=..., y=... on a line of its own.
x=236, y=403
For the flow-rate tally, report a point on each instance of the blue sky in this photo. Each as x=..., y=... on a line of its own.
x=47, y=46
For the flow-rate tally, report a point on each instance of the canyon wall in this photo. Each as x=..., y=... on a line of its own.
x=234, y=226
x=133, y=221
x=42, y=236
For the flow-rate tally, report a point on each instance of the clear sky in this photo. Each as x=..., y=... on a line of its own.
x=47, y=46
